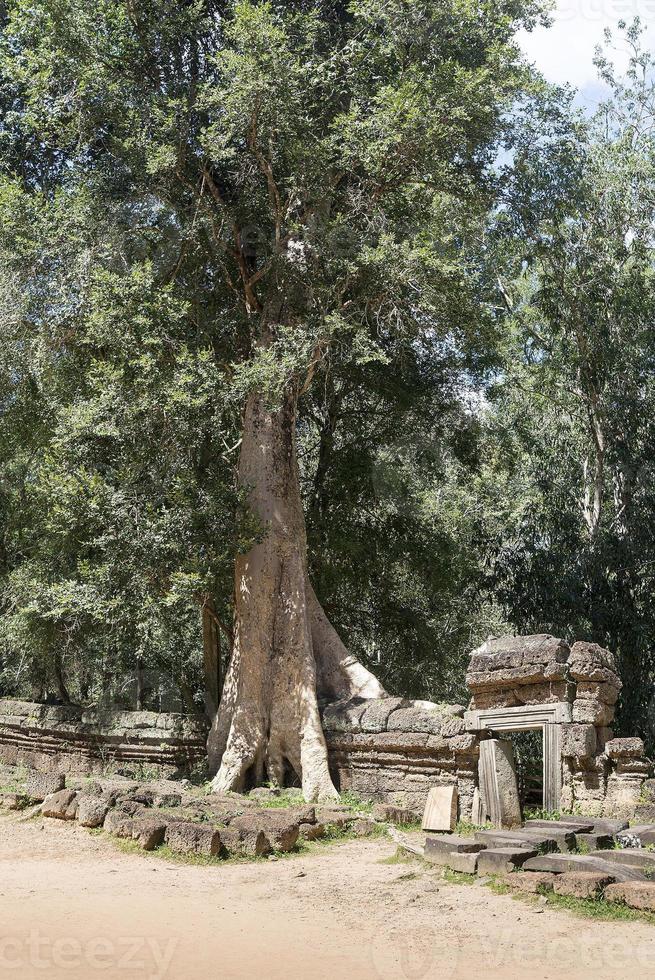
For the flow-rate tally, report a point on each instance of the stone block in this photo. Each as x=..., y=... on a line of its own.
x=561, y=863
x=118, y=823
x=333, y=817
x=280, y=830
x=416, y=720
x=592, y=690
x=599, y=825
x=41, y=784
x=594, y=712
x=452, y=727
x=635, y=857
x=586, y=658
x=635, y=894
x=625, y=748
x=448, y=844
x=511, y=838
x=466, y=862
x=641, y=768
x=467, y=743
x=500, y=860
x=61, y=805
x=531, y=882
x=645, y=813
x=193, y=838
x=582, y=884
x=91, y=810
x=541, y=648
x=148, y=832
x=440, y=809
x=245, y=841
x=344, y=716
x=377, y=712
x=578, y=741
x=364, y=827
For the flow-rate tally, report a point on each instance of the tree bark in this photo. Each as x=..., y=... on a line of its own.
x=286, y=653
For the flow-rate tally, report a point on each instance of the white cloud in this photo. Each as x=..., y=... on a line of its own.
x=565, y=52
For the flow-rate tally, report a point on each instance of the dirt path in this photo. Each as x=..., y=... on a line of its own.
x=72, y=906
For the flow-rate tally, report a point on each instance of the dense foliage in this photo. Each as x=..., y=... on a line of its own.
x=468, y=265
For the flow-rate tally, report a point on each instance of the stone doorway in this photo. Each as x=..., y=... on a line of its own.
x=547, y=718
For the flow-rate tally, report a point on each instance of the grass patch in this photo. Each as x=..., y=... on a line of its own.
x=586, y=908
x=537, y=813
x=457, y=877
x=466, y=829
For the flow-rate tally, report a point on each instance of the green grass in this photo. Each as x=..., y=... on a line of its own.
x=466, y=829
x=539, y=814
x=457, y=877
x=587, y=908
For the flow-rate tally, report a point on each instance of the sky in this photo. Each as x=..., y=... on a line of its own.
x=565, y=51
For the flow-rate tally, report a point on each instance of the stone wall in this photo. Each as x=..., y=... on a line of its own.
x=394, y=750
x=600, y=775
x=69, y=739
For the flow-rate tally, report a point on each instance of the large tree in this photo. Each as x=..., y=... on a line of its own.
x=309, y=183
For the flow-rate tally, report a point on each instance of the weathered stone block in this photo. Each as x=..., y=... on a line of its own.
x=452, y=727
x=440, y=809
x=280, y=830
x=464, y=862
x=416, y=720
x=500, y=860
x=635, y=894
x=61, y=805
x=625, y=748
x=608, y=693
x=193, y=838
x=578, y=741
x=531, y=882
x=344, y=715
x=41, y=784
x=451, y=844
x=561, y=863
x=582, y=884
x=377, y=712
x=592, y=712
x=311, y=831
x=91, y=810
x=246, y=841
x=364, y=827
x=148, y=832
x=118, y=823
x=498, y=783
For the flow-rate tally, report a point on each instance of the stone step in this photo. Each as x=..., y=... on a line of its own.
x=561, y=863
x=500, y=860
x=576, y=828
x=504, y=838
x=633, y=856
x=600, y=825
x=635, y=894
x=465, y=862
x=441, y=846
x=558, y=840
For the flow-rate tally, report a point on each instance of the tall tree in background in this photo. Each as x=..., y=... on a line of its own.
x=288, y=189
x=572, y=473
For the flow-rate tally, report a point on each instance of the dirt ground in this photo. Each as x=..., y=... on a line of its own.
x=74, y=907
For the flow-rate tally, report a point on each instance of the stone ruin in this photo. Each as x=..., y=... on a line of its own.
x=570, y=693
x=394, y=750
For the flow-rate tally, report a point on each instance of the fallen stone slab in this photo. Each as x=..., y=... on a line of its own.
x=530, y=882
x=582, y=884
x=364, y=827
x=465, y=862
x=336, y=818
x=61, y=805
x=41, y=784
x=149, y=832
x=193, y=838
x=245, y=841
x=565, y=825
x=636, y=857
x=512, y=838
x=500, y=860
x=440, y=809
x=562, y=863
x=118, y=823
x=91, y=810
x=600, y=825
x=635, y=894
x=280, y=830
x=450, y=844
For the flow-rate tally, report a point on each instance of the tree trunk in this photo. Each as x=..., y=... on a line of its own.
x=286, y=653
x=211, y=658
